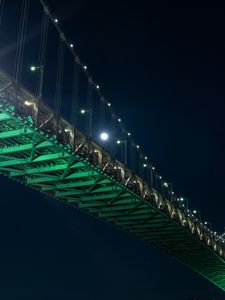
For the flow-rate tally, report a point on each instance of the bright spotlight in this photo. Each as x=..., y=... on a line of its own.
x=104, y=136
x=33, y=68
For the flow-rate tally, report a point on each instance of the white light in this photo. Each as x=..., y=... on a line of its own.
x=119, y=120
x=56, y=20
x=195, y=211
x=85, y=67
x=144, y=165
x=97, y=86
x=160, y=177
x=181, y=199
x=153, y=168
x=71, y=45
x=146, y=158
x=165, y=184
x=82, y=111
x=118, y=142
x=109, y=104
x=33, y=68
x=28, y=103
x=129, y=134
x=138, y=146
x=104, y=136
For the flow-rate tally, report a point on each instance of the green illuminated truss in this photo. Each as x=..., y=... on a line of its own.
x=46, y=153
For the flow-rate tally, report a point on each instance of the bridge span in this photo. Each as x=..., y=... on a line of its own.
x=43, y=151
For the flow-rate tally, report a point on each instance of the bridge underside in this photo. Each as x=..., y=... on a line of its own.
x=37, y=160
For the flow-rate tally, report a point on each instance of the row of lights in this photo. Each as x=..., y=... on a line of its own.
x=105, y=136
x=56, y=20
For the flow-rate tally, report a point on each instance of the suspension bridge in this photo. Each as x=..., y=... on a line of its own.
x=63, y=159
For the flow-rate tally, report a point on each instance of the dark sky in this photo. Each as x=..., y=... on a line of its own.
x=162, y=65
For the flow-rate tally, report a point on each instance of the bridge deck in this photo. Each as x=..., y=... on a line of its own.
x=38, y=158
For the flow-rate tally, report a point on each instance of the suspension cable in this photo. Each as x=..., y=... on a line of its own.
x=59, y=78
x=21, y=40
x=2, y=2
x=89, y=107
x=75, y=94
x=42, y=50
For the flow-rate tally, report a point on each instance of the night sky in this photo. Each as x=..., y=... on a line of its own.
x=162, y=65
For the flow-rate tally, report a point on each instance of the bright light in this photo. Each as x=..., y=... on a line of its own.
x=71, y=45
x=181, y=199
x=104, y=136
x=160, y=177
x=82, y=111
x=85, y=67
x=146, y=158
x=97, y=87
x=109, y=104
x=138, y=146
x=129, y=134
x=119, y=120
x=153, y=168
x=144, y=165
x=28, y=103
x=206, y=223
x=33, y=68
x=165, y=184
x=194, y=211
x=118, y=142
x=56, y=20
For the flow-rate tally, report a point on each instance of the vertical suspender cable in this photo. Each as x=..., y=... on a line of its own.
x=59, y=79
x=75, y=100
x=75, y=94
x=1, y=10
x=90, y=108
x=41, y=62
x=42, y=49
x=21, y=40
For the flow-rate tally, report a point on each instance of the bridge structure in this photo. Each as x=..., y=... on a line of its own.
x=43, y=151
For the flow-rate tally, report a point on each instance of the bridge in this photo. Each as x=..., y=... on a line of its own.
x=42, y=150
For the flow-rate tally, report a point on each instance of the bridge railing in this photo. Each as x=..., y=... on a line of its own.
x=59, y=130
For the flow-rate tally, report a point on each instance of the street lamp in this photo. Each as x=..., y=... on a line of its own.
x=90, y=113
x=40, y=87
x=41, y=69
x=124, y=142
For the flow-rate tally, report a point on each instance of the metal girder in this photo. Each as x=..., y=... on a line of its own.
x=99, y=204
x=13, y=161
x=25, y=147
x=75, y=184
x=100, y=197
x=84, y=174
x=47, y=169
x=103, y=189
x=15, y=133
x=115, y=213
x=4, y=117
